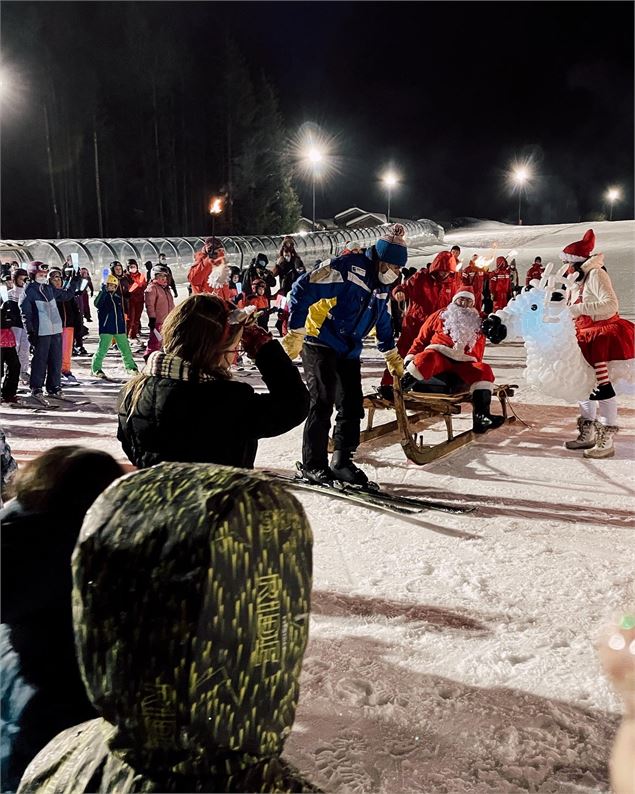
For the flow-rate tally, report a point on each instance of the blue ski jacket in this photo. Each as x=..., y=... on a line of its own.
x=110, y=312
x=340, y=302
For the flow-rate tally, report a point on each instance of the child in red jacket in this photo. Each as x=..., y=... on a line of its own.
x=260, y=300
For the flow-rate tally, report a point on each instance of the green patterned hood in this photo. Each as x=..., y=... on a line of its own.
x=191, y=604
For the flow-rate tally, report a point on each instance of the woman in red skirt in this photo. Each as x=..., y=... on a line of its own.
x=604, y=338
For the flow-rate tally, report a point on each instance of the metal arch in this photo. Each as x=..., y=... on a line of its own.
x=187, y=242
x=116, y=240
x=168, y=240
x=151, y=244
x=134, y=248
x=55, y=248
x=72, y=243
x=103, y=242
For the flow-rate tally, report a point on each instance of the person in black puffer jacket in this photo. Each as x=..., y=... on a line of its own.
x=42, y=691
x=191, y=381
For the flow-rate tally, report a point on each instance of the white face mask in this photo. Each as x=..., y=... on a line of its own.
x=389, y=277
x=41, y=279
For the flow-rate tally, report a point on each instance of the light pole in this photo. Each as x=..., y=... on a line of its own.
x=215, y=208
x=520, y=175
x=314, y=157
x=389, y=180
x=612, y=195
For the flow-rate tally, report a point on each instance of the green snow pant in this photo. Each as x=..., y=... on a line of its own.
x=104, y=346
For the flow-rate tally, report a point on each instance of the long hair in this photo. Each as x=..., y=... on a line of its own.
x=197, y=331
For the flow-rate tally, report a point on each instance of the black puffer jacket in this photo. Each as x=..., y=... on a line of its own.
x=190, y=422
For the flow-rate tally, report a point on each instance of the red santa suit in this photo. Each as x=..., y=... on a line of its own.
x=426, y=292
x=204, y=262
x=473, y=277
x=451, y=340
x=500, y=284
x=534, y=272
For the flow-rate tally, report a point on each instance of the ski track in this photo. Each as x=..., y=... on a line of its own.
x=449, y=653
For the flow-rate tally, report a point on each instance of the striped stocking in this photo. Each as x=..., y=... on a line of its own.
x=602, y=373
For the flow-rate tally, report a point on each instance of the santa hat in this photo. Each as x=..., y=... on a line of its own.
x=444, y=261
x=579, y=251
x=391, y=247
x=464, y=292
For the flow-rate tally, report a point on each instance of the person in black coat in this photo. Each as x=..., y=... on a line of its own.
x=39, y=530
x=191, y=381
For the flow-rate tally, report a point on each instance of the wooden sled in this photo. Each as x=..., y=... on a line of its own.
x=417, y=408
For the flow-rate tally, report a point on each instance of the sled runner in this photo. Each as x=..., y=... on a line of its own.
x=417, y=410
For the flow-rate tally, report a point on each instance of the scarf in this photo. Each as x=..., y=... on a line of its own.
x=167, y=365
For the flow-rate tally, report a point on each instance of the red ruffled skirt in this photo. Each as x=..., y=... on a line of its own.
x=605, y=340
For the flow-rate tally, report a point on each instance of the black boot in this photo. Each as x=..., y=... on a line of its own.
x=345, y=470
x=603, y=392
x=320, y=475
x=482, y=419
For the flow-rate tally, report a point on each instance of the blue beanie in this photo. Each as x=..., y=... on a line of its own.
x=391, y=247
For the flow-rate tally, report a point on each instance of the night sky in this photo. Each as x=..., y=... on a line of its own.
x=448, y=93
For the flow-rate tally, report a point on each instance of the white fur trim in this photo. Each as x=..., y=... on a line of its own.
x=463, y=294
x=451, y=352
x=219, y=276
x=408, y=359
x=482, y=384
x=571, y=257
x=414, y=371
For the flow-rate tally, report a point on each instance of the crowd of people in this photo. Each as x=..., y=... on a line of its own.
x=185, y=678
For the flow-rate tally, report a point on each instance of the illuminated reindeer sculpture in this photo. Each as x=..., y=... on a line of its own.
x=555, y=364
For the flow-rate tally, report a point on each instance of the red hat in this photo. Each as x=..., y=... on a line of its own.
x=444, y=261
x=464, y=292
x=579, y=251
x=501, y=262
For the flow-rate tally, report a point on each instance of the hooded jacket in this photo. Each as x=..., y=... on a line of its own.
x=158, y=300
x=110, y=312
x=193, y=660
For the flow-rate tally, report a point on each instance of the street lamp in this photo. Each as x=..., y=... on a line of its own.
x=612, y=195
x=215, y=208
x=314, y=158
x=389, y=180
x=520, y=176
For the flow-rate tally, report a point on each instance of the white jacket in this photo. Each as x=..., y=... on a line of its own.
x=599, y=300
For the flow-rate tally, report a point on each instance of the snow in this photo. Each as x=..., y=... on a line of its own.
x=453, y=653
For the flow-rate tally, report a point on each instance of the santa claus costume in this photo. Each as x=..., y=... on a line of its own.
x=607, y=342
x=451, y=340
x=426, y=292
x=212, y=255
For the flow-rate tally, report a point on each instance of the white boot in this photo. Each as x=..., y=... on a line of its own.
x=604, y=442
x=586, y=435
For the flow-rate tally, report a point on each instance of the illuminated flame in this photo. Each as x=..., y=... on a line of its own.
x=216, y=206
x=483, y=263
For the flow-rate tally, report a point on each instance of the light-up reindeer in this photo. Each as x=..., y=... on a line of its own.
x=555, y=364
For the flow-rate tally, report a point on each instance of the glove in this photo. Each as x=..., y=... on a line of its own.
x=152, y=322
x=293, y=342
x=408, y=382
x=32, y=337
x=394, y=362
x=493, y=329
x=254, y=338
x=557, y=296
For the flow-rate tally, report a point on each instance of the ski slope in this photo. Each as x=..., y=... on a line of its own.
x=453, y=653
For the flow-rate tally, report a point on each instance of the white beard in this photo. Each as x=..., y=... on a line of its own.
x=462, y=326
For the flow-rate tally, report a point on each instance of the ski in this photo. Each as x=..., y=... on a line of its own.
x=31, y=404
x=402, y=505
x=364, y=498
x=66, y=400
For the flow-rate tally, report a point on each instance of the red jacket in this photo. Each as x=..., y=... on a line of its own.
x=535, y=271
x=138, y=284
x=500, y=284
x=432, y=336
x=473, y=277
x=259, y=301
x=425, y=294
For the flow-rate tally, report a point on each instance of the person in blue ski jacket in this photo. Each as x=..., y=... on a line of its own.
x=43, y=324
x=112, y=325
x=331, y=310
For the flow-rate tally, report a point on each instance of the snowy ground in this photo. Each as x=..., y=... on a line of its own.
x=453, y=653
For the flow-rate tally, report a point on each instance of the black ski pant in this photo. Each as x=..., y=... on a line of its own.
x=11, y=363
x=331, y=380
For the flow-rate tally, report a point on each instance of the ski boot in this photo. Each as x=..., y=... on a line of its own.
x=604, y=442
x=345, y=470
x=603, y=392
x=586, y=435
x=319, y=475
x=482, y=419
